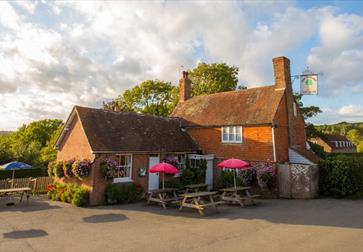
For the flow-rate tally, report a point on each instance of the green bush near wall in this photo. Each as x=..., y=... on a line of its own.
x=24, y=173
x=341, y=176
x=118, y=193
x=69, y=193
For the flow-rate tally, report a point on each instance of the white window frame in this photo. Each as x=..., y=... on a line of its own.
x=124, y=179
x=234, y=129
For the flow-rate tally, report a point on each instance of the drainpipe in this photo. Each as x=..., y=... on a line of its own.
x=273, y=141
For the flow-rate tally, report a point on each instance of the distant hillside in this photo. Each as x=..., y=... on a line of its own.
x=341, y=128
x=3, y=132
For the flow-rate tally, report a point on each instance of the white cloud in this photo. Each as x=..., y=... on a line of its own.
x=352, y=111
x=340, y=55
x=90, y=51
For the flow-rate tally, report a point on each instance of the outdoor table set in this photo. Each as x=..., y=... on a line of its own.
x=233, y=195
x=192, y=197
x=23, y=191
x=163, y=196
x=197, y=196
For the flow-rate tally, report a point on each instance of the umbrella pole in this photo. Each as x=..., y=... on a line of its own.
x=234, y=178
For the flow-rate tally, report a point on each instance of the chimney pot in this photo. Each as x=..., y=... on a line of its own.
x=184, y=87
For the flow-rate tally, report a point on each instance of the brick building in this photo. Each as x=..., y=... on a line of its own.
x=334, y=143
x=258, y=125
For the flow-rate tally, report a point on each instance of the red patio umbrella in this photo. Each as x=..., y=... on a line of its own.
x=164, y=168
x=234, y=163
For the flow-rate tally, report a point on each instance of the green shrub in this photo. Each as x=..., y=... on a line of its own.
x=341, y=176
x=187, y=176
x=51, y=169
x=172, y=183
x=69, y=193
x=226, y=179
x=318, y=150
x=118, y=193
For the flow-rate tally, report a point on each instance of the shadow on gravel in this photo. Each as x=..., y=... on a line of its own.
x=23, y=234
x=317, y=212
x=34, y=205
x=102, y=218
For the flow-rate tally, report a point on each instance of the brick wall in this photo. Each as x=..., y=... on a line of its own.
x=256, y=146
x=75, y=144
x=281, y=133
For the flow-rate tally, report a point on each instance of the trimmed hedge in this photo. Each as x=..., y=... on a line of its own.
x=119, y=193
x=24, y=173
x=341, y=176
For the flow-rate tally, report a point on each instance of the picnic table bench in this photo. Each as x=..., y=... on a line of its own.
x=199, y=201
x=195, y=187
x=22, y=191
x=163, y=196
x=233, y=195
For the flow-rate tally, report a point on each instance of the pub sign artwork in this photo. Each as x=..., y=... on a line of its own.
x=309, y=84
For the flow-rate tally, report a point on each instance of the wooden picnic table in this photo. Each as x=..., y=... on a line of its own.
x=22, y=191
x=163, y=196
x=199, y=201
x=233, y=195
x=195, y=187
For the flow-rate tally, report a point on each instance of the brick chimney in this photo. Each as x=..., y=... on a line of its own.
x=282, y=72
x=283, y=82
x=184, y=87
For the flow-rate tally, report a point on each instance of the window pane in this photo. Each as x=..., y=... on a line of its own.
x=225, y=133
x=239, y=134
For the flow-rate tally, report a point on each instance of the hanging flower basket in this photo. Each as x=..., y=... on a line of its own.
x=67, y=168
x=108, y=168
x=81, y=169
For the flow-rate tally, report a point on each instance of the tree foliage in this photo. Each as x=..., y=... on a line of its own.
x=353, y=131
x=32, y=143
x=213, y=78
x=309, y=111
x=158, y=97
x=153, y=97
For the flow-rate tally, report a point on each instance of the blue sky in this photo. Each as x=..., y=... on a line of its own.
x=54, y=55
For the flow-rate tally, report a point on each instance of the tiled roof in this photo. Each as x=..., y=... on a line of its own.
x=243, y=107
x=109, y=131
x=335, y=137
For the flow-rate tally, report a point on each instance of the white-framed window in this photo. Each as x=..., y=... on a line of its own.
x=124, y=168
x=231, y=134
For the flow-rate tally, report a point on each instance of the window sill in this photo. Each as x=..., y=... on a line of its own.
x=122, y=180
x=232, y=142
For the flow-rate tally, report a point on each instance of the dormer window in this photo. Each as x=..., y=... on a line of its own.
x=232, y=134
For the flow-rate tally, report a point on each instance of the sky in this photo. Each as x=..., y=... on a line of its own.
x=54, y=55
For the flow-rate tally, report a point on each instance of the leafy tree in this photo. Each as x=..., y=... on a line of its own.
x=355, y=136
x=309, y=111
x=152, y=97
x=27, y=143
x=158, y=97
x=213, y=78
x=360, y=146
x=49, y=153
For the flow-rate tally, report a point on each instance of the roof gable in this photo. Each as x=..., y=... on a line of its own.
x=243, y=107
x=109, y=131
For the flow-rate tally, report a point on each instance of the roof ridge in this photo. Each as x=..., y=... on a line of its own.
x=233, y=91
x=124, y=112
